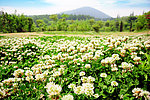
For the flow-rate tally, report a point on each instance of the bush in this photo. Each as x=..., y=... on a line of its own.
x=96, y=27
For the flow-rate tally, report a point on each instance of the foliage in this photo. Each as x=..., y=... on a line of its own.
x=41, y=25
x=62, y=22
x=147, y=16
x=121, y=26
x=13, y=23
x=53, y=17
x=96, y=27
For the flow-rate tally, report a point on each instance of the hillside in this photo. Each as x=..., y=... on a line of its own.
x=88, y=11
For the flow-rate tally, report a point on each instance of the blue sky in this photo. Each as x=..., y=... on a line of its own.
x=110, y=7
x=24, y=3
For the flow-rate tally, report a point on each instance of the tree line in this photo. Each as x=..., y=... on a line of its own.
x=10, y=23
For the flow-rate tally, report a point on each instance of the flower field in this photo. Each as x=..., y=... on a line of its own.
x=75, y=68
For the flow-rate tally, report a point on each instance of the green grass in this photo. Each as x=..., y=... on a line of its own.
x=33, y=35
x=144, y=31
x=146, y=34
x=2, y=37
x=70, y=32
x=83, y=33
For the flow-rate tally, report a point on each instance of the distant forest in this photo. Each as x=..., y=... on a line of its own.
x=20, y=23
x=69, y=17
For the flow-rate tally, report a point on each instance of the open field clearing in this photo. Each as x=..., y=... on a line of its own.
x=74, y=67
x=84, y=34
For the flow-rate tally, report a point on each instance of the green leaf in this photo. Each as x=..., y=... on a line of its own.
x=110, y=89
x=145, y=77
x=104, y=87
x=136, y=82
x=126, y=98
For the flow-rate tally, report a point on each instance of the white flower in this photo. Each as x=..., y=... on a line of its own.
x=45, y=73
x=18, y=72
x=90, y=79
x=103, y=75
x=46, y=57
x=41, y=96
x=79, y=90
x=110, y=46
x=82, y=73
x=141, y=52
x=121, y=97
x=39, y=77
x=82, y=49
x=123, y=51
x=57, y=73
x=29, y=73
x=114, y=83
x=116, y=56
x=138, y=92
x=126, y=65
x=114, y=69
x=78, y=64
x=75, y=60
x=103, y=61
x=15, y=66
x=146, y=93
x=51, y=79
x=15, y=84
x=53, y=89
x=70, y=57
x=88, y=88
x=3, y=93
x=96, y=95
x=84, y=79
x=29, y=78
x=137, y=59
x=87, y=66
x=71, y=86
x=67, y=97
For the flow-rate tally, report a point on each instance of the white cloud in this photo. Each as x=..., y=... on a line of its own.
x=73, y=3
x=132, y=2
x=106, y=6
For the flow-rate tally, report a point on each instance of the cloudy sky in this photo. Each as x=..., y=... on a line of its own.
x=110, y=7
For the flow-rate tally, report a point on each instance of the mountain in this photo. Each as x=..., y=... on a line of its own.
x=88, y=11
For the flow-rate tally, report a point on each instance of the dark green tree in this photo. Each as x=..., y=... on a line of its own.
x=131, y=20
x=30, y=23
x=147, y=17
x=53, y=17
x=121, y=26
x=117, y=25
x=92, y=21
x=96, y=27
x=107, y=23
x=40, y=25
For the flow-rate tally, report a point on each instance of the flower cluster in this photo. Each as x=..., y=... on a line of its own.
x=126, y=67
x=18, y=73
x=53, y=89
x=67, y=97
x=88, y=79
x=138, y=93
x=110, y=60
x=82, y=73
x=86, y=88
